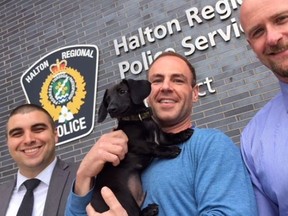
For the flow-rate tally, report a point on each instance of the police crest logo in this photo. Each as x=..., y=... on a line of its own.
x=64, y=82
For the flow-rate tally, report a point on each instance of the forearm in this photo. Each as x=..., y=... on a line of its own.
x=83, y=184
x=76, y=204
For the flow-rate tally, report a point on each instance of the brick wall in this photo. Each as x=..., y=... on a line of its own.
x=32, y=28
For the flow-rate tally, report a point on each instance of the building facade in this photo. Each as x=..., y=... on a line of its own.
x=129, y=34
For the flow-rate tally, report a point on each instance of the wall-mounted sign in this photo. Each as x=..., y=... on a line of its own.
x=64, y=82
x=193, y=41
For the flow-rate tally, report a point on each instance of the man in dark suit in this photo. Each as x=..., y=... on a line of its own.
x=31, y=139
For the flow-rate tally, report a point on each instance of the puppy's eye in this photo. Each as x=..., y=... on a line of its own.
x=122, y=91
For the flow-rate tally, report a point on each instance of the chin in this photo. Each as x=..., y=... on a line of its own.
x=166, y=121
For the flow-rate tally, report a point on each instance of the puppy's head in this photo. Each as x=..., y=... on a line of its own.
x=123, y=98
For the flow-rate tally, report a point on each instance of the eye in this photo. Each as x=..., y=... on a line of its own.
x=178, y=80
x=16, y=133
x=281, y=19
x=39, y=128
x=156, y=80
x=122, y=91
x=257, y=33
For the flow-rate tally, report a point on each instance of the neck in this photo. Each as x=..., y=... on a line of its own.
x=32, y=172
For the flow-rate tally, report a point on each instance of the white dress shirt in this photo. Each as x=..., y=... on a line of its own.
x=40, y=193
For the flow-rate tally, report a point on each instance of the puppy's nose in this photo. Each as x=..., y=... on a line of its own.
x=112, y=108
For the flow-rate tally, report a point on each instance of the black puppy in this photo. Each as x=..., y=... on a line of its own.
x=124, y=101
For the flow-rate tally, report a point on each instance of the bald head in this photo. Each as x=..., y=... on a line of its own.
x=265, y=23
x=254, y=13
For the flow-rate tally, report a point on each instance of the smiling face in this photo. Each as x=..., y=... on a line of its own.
x=172, y=93
x=265, y=23
x=31, y=141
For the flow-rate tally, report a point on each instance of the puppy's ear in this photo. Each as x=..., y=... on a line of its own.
x=102, y=112
x=139, y=90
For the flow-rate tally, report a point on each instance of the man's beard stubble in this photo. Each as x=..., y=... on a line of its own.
x=278, y=67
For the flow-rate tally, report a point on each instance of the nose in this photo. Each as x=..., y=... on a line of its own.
x=29, y=138
x=112, y=108
x=274, y=35
x=166, y=85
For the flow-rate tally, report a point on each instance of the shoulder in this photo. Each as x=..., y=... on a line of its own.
x=213, y=140
x=8, y=186
x=63, y=174
x=212, y=146
x=210, y=135
x=270, y=109
x=68, y=166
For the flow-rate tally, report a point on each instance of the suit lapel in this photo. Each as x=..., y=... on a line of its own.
x=6, y=191
x=56, y=187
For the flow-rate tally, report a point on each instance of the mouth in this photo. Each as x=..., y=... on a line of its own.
x=31, y=151
x=119, y=113
x=276, y=50
x=166, y=101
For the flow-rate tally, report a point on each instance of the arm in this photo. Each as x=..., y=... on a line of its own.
x=75, y=209
x=111, y=147
x=265, y=205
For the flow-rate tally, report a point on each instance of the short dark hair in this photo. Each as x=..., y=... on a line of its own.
x=27, y=108
x=170, y=53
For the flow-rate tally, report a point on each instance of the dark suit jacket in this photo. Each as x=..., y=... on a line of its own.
x=60, y=185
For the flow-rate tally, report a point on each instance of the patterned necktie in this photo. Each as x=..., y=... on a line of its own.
x=26, y=206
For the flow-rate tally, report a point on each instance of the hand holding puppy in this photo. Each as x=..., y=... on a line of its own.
x=111, y=147
x=115, y=208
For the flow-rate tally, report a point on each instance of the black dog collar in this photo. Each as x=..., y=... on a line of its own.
x=137, y=117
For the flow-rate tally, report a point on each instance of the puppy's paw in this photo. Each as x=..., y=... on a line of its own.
x=150, y=210
x=168, y=139
x=182, y=136
x=186, y=134
x=174, y=151
x=166, y=151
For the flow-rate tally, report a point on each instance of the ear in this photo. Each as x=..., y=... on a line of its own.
x=139, y=90
x=102, y=112
x=195, y=93
x=249, y=42
x=56, y=136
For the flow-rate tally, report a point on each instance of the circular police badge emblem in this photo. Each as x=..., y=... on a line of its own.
x=63, y=92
